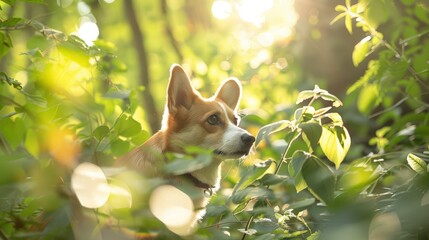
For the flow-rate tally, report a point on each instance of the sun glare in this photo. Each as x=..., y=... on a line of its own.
x=257, y=24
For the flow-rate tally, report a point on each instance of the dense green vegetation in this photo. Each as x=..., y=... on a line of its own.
x=84, y=81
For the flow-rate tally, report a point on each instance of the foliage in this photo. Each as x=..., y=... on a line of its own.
x=361, y=172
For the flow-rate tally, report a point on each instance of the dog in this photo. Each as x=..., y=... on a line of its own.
x=192, y=120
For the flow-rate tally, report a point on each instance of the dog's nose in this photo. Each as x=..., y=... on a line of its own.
x=247, y=139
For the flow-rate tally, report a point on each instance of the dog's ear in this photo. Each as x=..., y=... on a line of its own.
x=230, y=93
x=180, y=91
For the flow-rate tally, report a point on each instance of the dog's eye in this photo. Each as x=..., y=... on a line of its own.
x=213, y=120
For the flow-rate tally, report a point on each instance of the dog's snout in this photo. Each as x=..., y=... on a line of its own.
x=247, y=139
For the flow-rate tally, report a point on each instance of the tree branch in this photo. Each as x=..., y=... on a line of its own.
x=152, y=115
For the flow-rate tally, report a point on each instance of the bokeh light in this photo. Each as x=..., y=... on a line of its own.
x=63, y=147
x=221, y=9
x=174, y=208
x=88, y=32
x=90, y=185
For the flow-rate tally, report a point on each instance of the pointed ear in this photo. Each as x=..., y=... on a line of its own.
x=230, y=93
x=180, y=92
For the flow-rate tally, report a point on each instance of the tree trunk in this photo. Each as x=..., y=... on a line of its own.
x=151, y=112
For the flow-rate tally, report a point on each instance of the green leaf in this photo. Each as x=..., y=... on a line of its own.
x=297, y=143
x=32, y=143
x=5, y=44
x=361, y=50
x=251, y=174
x=100, y=132
x=336, y=119
x=322, y=111
x=127, y=126
x=11, y=22
x=338, y=17
x=368, y=98
x=188, y=164
x=248, y=193
x=272, y=179
x=312, y=132
x=340, y=8
x=348, y=23
x=335, y=143
x=417, y=164
x=302, y=203
x=119, y=147
x=304, y=95
x=75, y=51
x=295, y=167
x=329, y=97
x=304, y=114
x=422, y=13
x=13, y=131
x=320, y=179
x=266, y=130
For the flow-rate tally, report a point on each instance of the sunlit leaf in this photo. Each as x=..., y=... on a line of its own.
x=304, y=95
x=304, y=114
x=266, y=130
x=336, y=119
x=417, y=164
x=75, y=52
x=335, y=143
x=32, y=142
x=322, y=111
x=361, y=50
x=338, y=17
x=368, y=98
x=320, y=179
x=329, y=97
x=340, y=8
x=348, y=23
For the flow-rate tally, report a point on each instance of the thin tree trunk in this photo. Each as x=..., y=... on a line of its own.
x=169, y=31
x=152, y=115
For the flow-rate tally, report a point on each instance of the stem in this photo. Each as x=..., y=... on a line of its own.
x=247, y=226
x=283, y=158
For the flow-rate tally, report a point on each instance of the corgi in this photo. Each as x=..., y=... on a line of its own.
x=192, y=120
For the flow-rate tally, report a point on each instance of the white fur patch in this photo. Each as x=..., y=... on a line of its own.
x=231, y=141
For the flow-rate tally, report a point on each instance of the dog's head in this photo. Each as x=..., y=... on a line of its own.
x=191, y=120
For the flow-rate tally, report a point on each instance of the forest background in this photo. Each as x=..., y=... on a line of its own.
x=336, y=92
